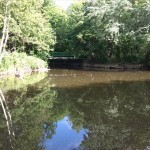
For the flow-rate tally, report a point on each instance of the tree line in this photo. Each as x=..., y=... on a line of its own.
x=114, y=31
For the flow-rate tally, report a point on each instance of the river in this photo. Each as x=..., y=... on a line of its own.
x=77, y=110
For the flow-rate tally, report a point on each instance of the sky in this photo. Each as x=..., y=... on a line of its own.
x=63, y=3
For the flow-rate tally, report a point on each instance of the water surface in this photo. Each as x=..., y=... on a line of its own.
x=78, y=110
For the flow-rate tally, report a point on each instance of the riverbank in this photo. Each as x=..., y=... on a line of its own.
x=123, y=67
x=19, y=64
x=41, y=66
x=90, y=65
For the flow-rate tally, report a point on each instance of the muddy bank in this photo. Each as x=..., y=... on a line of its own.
x=96, y=66
x=85, y=65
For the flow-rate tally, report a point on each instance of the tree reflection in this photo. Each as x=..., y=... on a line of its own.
x=30, y=108
x=8, y=118
x=115, y=115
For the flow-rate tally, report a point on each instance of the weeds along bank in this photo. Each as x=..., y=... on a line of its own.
x=20, y=63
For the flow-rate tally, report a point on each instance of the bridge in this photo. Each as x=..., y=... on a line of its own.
x=64, y=60
x=60, y=55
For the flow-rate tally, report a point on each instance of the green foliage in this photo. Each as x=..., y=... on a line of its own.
x=100, y=30
x=109, y=31
x=21, y=61
x=59, y=21
x=29, y=29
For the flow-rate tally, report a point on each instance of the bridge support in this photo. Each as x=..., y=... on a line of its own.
x=65, y=62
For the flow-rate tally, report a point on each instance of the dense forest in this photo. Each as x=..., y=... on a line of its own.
x=106, y=31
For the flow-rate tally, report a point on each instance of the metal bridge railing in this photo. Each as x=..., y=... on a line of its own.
x=61, y=54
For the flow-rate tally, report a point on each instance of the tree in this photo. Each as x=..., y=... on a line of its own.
x=109, y=31
x=30, y=32
x=5, y=30
x=59, y=21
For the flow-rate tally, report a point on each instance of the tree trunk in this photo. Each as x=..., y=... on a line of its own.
x=5, y=32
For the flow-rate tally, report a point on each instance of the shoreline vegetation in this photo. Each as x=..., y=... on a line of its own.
x=19, y=64
x=20, y=73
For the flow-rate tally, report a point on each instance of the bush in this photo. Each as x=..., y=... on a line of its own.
x=21, y=61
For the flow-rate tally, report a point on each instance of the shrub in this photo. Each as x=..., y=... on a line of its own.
x=21, y=61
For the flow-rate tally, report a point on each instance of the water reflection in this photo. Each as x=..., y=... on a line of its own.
x=116, y=115
x=65, y=138
x=105, y=111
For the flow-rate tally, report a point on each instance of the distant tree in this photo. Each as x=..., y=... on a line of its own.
x=110, y=31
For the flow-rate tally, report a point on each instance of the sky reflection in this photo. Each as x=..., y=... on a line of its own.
x=65, y=138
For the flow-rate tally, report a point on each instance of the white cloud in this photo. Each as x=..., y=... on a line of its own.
x=63, y=3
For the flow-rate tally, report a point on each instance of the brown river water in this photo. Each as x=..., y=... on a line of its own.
x=77, y=110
